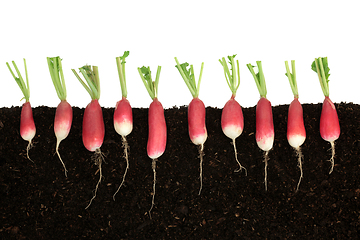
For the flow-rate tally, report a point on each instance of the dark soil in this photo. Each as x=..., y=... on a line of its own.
x=38, y=202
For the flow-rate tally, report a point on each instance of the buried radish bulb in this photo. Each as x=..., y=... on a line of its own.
x=27, y=125
x=93, y=129
x=196, y=110
x=232, y=120
x=157, y=126
x=329, y=120
x=64, y=113
x=264, y=118
x=296, y=133
x=123, y=119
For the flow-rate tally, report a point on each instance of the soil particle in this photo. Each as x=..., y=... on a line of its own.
x=39, y=202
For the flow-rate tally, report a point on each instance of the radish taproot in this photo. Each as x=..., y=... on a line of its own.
x=157, y=125
x=27, y=124
x=264, y=118
x=329, y=120
x=296, y=133
x=64, y=113
x=232, y=119
x=93, y=129
x=123, y=119
x=196, y=110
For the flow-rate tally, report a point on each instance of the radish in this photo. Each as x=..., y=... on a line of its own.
x=93, y=129
x=264, y=119
x=157, y=126
x=329, y=121
x=27, y=125
x=232, y=120
x=63, y=114
x=123, y=119
x=196, y=110
x=296, y=133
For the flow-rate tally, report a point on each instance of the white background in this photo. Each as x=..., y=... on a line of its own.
x=95, y=32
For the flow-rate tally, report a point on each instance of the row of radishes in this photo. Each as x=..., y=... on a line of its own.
x=232, y=121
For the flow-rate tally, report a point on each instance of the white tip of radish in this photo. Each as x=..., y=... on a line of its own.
x=200, y=139
x=123, y=128
x=156, y=154
x=266, y=143
x=296, y=141
x=232, y=131
x=28, y=135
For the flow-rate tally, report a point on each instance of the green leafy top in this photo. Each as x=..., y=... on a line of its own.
x=189, y=77
x=151, y=86
x=120, y=62
x=292, y=77
x=320, y=65
x=259, y=78
x=20, y=81
x=91, y=76
x=57, y=76
x=230, y=75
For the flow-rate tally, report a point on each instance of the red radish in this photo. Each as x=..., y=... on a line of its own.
x=232, y=119
x=264, y=119
x=27, y=125
x=157, y=126
x=196, y=121
x=123, y=119
x=329, y=120
x=196, y=110
x=63, y=114
x=157, y=130
x=296, y=133
x=93, y=129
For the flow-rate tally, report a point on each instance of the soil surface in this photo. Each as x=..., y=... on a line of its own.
x=37, y=201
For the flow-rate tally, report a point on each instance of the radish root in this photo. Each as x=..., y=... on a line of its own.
x=126, y=155
x=27, y=150
x=266, y=159
x=236, y=158
x=201, y=153
x=300, y=156
x=57, y=152
x=332, y=156
x=98, y=158
x=153, y=165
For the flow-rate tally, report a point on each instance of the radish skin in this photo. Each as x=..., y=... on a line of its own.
x=329, y=121
x=232, y=119
x=123, y=119
x=93, y=129
x=296, y=133
x=157, y=130
x=27, y=125
x=196, y=121
x=62, y=125
x=264, y=125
